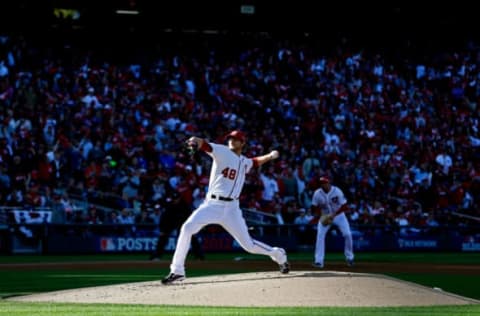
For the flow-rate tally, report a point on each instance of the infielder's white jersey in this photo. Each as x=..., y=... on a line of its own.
x=228, y=172
x=329, y=202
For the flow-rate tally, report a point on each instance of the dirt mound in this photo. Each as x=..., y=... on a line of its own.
x=299, y=288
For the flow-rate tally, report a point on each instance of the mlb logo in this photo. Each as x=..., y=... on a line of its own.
x=107, y=244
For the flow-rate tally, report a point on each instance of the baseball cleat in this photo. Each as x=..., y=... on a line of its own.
x=350, y=262
x=172, y=277
x=284, y=267
x=317, y=265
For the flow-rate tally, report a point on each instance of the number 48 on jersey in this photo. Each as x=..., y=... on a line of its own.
x=229, y=173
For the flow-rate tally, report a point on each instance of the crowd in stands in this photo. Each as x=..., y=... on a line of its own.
x=399, y=135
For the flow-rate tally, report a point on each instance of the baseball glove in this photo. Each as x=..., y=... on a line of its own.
x=326, y=219
x=190, y=147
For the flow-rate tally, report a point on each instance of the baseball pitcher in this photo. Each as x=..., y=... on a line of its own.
x=221, y=205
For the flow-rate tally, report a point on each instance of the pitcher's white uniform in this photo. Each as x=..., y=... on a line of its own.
x=221, y=206
x=329, y=203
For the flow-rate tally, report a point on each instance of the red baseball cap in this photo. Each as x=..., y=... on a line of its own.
x=324, y=179
x=237, y=135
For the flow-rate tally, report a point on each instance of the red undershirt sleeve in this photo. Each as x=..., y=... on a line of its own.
x=206, y=147
x=255, y=162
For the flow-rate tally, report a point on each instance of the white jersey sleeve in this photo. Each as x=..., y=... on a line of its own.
x=227, y=175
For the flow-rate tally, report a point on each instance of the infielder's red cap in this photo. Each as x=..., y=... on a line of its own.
x=237, y=135
x=324, y=179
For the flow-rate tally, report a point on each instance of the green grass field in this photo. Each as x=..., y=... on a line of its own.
x=27, y=281
x=45, y=309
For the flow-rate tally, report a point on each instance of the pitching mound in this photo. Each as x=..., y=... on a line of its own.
x=299, y=288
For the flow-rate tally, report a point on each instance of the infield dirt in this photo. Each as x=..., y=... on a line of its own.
x=363, y=285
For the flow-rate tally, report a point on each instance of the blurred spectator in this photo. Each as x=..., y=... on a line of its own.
x=445, y=161
x=385, y=126
x=270, y=188
x=93, y=216
x=175, y=213
x=158, y=190
x=143, y=218
x=144, y=223
x=305, y=231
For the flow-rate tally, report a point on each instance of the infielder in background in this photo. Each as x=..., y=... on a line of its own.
x=330, y=202
x=221, y=205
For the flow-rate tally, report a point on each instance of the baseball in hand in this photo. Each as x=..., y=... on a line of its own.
x=274, y=154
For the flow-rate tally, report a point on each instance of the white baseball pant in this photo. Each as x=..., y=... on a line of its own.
x=230, y=217
x=341, y=222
